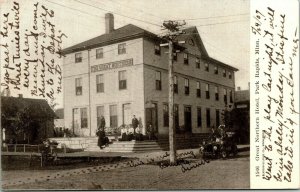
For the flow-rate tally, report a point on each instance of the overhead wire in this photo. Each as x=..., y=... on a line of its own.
x=154, y=24
x=142, y=11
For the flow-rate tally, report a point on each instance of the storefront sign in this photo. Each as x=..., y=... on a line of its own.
x=112, y=65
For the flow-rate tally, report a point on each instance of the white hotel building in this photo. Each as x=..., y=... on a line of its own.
x=124, y=72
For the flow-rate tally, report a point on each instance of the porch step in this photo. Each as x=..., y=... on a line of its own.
x=129, y=146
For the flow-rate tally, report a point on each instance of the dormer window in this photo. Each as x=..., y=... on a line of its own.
x=216, y=70
x=157, y=49
x=185, y=58
x=198, y=62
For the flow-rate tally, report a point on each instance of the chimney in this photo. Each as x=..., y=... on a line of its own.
x=109, y=23
x=20, y=95
x=238, y=88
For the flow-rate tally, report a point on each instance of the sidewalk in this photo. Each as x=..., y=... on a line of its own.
x=13, y=178
x=114, y=154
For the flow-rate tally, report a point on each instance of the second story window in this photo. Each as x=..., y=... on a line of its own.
x=198, y=89
x=100, y=83
x=207, y=91
x=156, y=49
x=185, y=58
x=78, y=58
x=158, y=80
x=175, y=84
x=229, y=75
x=206, y=67
x=186, y=86
x=174, y=56
x=224, y=72
x=122, y=48
x=78, y=86
x=216, y=70
x=216, y=93
x=99, y=53
x=198, y=62
x=225, y=96
x=122, y=80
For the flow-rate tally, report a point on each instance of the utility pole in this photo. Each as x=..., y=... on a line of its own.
x=173, y=31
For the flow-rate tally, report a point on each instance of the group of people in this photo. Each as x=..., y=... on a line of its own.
x=104, y=141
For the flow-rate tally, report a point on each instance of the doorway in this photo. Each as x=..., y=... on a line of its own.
x=127, y=114
x=151, y=117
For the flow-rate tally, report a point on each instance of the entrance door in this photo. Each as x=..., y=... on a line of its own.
x=127, y=114
x=188, y=119
x=151, y=117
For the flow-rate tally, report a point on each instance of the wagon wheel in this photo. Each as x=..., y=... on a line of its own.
x=223, y=154
x=235, y=150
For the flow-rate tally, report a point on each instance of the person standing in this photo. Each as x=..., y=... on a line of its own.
x=101, y=132
x=135, y=123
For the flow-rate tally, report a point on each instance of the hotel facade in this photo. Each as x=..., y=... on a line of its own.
x=124, y=72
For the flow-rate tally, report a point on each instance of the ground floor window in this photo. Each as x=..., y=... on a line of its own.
x=113, y=114
x=217, y=117
x=166, y=115
x=83, y=114
x=100, y=112
x=199, y=118
x=207, y=117
x=80, y=118
x=176, y=116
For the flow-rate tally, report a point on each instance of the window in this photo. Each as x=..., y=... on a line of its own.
x=230, y=96
x=199, y=117
x=113, y=116
x=217, y=117
x=176, y=116
x=185, y=58
x=198, y=89
x=229, y=75
x=207, y=117
x=122, y=48
x=78, y=86
x=122, y=80
x=83, y=118
x=100, y=83
x=174, y=56
x=166, y=115
x=78, y=58
x=206, y=67
x=216, y=70
x=198, y=62
x=216, y=93
x=186, y=87
x=158, y=80
x=156, y=49
x=175, y=84
x=225, y=96
x=99, y=53
x=224, y=72
x=207, y=91
x=100, y=112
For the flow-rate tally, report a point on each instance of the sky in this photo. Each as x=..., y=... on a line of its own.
x=222, y=25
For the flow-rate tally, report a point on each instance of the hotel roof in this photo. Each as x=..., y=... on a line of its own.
x=129, y=32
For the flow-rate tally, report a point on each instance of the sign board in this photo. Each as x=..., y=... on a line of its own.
x=112, y=65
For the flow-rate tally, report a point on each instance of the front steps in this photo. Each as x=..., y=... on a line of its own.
x=130, y=146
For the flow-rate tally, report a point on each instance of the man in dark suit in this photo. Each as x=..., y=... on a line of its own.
x=135, y=123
